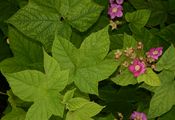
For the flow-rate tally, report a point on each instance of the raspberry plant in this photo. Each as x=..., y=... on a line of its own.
x=87, y=59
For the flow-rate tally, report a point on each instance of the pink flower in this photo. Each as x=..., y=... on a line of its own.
x=115, y=10
x=155, y=53
x=138, y=116
x=137, y=67
x=119, y=2
x=111, y=1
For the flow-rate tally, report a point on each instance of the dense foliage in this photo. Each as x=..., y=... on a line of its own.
x=87, y=59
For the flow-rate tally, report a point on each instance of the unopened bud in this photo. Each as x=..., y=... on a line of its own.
x=133, y=56
x=153, y=66
x=118, y=54
x=150, y=60
x=121, y=116
x=141, y=58
x=113, y=25
x=129, y=51
x=139, y=45
x=125, y=64
x=8, y=42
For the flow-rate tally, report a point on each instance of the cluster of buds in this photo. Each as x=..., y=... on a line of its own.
x=137, y=63
x=115, y=11
x=114, y=24
x=130, y=52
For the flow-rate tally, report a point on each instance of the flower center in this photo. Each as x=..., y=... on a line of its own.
x=114, y=10
x=137, y=67
x=155, y=52
x=138, y=117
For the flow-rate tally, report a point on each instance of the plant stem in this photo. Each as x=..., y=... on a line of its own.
x=1, y=93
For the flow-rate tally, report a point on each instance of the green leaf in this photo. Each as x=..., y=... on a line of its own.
x=40, y=20
x=7, y=8
x=76, y=103
x=125, y=78
x=55, y=118
x=163, y=98
x=139, y=4
x=129, y=41
x=138, y=18
x=17, y=64
x=169, y=115
x=42, y=89
x=4, y=48
x=108, y=117
x=148, y=38
x=69, y=94
x=121, y=99
x=167, y=33
x=158, y=8
x=87, y=65
x=15, y=114
x=116, y=41
x=95, y=47
x=150, y=78
x=16, y=102
x=159, y=12
x=22, y=3
x=23, y=46
x=171, y=5
x=81, y=14
x=27, y=53
x=40, y=24
x=85, y=112
x=166, y=62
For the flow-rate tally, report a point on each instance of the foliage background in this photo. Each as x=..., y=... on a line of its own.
x=154, y=26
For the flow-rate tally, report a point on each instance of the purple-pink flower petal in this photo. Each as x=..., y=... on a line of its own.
x=115, y=10
x=111, y=1
x=138, y=116
x=119, y=14
x=119, y=2
x=155, y=53
x=137, y=67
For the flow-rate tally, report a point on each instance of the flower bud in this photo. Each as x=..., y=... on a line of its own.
x=153, y=66
x=7, y=40
x=113, y=25
x=118, y=54
x=139, y=45
x=129, y=51
x=125, y=64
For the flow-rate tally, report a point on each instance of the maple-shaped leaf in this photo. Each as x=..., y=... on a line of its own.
x=41, y=88
x=41, y=19
x=163, y=98
x=87, y=64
